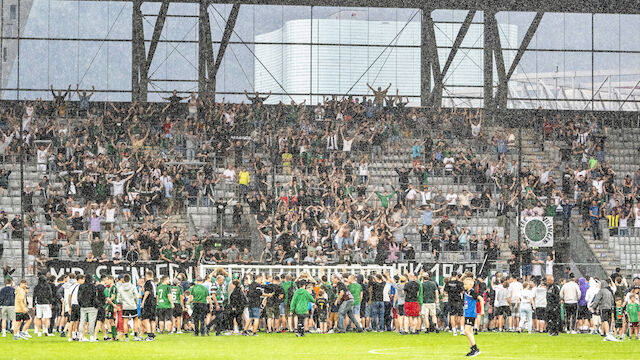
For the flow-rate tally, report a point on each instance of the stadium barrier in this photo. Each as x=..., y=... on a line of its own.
x=171, y=269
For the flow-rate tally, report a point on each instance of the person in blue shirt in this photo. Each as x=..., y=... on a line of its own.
x=594, y=215
x=471, y=297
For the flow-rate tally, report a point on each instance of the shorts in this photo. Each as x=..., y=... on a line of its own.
x=583, y=313
x=428, y=310
x=526, y=269
x=102, y=315
x=23, y=317
x=62, y=236
x=400, y=310
x=8, y=313
x=177, y=310
x=322, y=315
x=164, y=314
x=515, y=310
x=31, y=259
x=75, y=312
x=605, y=315
x=457, y=309
x=254, y=313
x=148, y=313
x=356, y=309
x=43, y=311
x=412, y=309
x=273, y=312
x=634, y=325
x=129, y=314
x=502, y=311
x=282, y=312
x=540, y=314
x=471, y=321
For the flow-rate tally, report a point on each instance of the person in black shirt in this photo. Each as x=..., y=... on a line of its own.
x=274, y=295
x=411, y=306
x=553, y=307
x=454, y=289
x=54, y=248
x=377, y=303
x=254, y=298
x=148, y=306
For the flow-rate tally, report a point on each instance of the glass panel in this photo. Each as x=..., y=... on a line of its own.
x=606, y=32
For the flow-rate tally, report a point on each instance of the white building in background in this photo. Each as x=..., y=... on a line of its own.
x=326, y=69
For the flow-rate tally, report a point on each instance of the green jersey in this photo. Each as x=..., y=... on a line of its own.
x=199, y=293
x=355, y=289
x=197, y=250
x=285, y=287
x=176, y=292
x=633, y=309
x=112, y=293
x=163, y=291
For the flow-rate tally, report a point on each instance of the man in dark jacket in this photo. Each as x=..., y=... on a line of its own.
x=42, y=303
x=87, y=301
x=7, y=304
x=56, y=303
x=553, y=306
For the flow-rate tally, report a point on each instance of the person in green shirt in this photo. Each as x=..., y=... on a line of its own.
x=178, y=304
x=430, y=295
x=288, y=320
x=356, y=290
x=633, y=310
x=111, y=295
x=167, y=253
x=200, y=302
x=165, y=304
x=385, y=197
x=300, y=304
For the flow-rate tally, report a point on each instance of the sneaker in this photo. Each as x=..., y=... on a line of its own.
x=50, y=334
x=39, y=334
x=178, y=332
x=137, y=338
x=93, y=339
x=16, y=337
x=148, y=339
x=63, y=334
x=26, y=334
x=4, y=334
x=474, y=352
x=84, y=339
x=126, y=339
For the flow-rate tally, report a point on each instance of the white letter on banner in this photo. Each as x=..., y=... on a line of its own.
x=158, y=267
x=171, y=267
x=115, y=270
x=99, y=269
x=77, y=270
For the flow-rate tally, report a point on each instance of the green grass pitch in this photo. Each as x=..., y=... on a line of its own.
x=349, y=346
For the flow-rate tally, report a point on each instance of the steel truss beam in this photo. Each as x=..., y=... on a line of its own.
x=433, y=62
x=207, y=67
x=493, y=47
x=141, y=62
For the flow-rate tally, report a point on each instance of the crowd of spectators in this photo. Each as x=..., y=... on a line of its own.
x=307, y=175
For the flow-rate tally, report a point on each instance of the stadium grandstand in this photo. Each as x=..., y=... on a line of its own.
x=194, y=166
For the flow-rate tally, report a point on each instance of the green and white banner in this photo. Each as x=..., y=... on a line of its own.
x=537, y=230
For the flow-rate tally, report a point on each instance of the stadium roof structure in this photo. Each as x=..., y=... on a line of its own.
x=495, y=95
x=568, y=6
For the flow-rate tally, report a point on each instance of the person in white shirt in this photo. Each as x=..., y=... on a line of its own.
x=594, y=287
x=452, y=202
x=570, y=293
x=540, y=313
x=229, y=175
x=118, y=184
x=501, y=305
x=411, y=196
x=42, y=157
x=526, y=302
x=549, y=264
x=515, y=287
